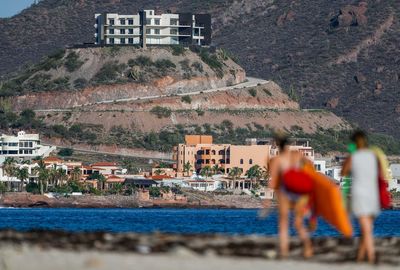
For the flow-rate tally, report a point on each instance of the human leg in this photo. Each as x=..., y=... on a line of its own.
x=300, y=211
x=366, y=225
x=284, y=207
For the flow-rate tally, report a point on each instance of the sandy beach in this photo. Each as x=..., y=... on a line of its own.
x=35, y=258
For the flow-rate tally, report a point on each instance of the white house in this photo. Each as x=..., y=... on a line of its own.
x=24, y=146
x=320, y=165
x=150, y=28
x=395, y=183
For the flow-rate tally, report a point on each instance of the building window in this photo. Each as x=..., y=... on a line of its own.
x=157, y=31
x=207, y=161
x=213, y=152
x=250, y=161
x=122, y=31
x=130, y=31
x=157, y=21
x=122, y=21
x=241, y=161
x=148, y=21
x=228, y=161
x=173, y=31
x=148, y=31
x=130, y=21
x=151, y=12
x=111, y=40
x=111, y=31
x=111, y=22
x=196, y=32
x=122, y=40
x=174, y=22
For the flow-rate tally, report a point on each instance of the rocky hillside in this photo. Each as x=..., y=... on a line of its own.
x=340, y=55
x=77, y=77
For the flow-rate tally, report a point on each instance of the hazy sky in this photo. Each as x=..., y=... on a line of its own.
x=9, y=8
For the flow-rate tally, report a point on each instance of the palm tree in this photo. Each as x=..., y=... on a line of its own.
x=9, y=169
x=187, y=167
x=61, y=176
x=207, y=172
x=235, y=172
x=43, y=175
x=158, y=171
x=265, y=176
x=216, y=169
x=101, y=180
x=22, y=174
x=254, y=173
x=76, y=174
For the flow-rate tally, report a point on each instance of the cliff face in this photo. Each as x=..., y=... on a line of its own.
x=341, y=55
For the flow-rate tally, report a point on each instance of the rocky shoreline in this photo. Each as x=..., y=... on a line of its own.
x=327, y=250
x=27, y=200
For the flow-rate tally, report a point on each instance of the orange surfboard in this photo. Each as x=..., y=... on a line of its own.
x=328, y=202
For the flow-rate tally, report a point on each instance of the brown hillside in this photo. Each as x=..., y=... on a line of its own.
x=341, y=55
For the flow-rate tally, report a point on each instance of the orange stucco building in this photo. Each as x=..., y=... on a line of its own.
x=200, y=151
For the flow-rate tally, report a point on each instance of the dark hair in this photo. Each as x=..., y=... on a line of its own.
x=358, y=135
x=281, y=141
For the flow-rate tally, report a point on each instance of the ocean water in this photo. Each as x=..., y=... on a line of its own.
x=187, y=221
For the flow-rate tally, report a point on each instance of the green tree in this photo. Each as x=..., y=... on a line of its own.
x=207, y=172
x=234, y=173
x=158, y=171
x=101, y=181
x=9, y=169
x=254, y=173
x=265, y=177
x=216, y=169
x=187, y=168
x=22, y=174
x=43, y=175
x=76, y=174
x=66, y=152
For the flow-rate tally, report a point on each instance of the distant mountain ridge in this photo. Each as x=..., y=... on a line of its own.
x=341, y=55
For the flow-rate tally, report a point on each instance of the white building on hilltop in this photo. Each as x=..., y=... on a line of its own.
x=149, y=28
x=23, y=145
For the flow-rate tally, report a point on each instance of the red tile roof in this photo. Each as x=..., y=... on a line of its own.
x=160, y=177
x=52, y=159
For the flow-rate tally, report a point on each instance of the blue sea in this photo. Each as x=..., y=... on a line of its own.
x=186, y=221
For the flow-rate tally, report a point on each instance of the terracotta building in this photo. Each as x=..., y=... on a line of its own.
x=200, y=151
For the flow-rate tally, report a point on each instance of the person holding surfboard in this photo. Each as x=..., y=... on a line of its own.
x=289, y=162
x=363, y=167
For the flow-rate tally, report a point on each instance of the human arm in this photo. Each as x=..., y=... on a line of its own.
x=346, y=168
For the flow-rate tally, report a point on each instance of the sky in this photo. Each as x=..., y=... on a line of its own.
x=10, y=8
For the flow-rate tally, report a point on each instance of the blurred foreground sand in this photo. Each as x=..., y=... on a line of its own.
x=23, y=257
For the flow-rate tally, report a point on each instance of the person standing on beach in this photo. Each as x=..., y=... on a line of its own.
x=285, y=161
x=362, y=165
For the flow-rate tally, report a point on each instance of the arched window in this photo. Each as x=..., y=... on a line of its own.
x=241, y=161
x=213, y=152
x=250, y=161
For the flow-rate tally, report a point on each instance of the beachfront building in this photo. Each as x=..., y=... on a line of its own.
x=199, y=151
x=151, y=28
x=24, y=146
